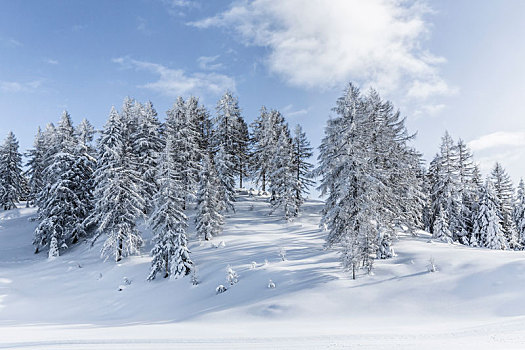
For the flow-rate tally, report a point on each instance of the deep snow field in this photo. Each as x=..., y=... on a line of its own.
x=475, y=300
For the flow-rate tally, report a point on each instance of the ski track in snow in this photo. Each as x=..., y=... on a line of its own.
x=474, y=300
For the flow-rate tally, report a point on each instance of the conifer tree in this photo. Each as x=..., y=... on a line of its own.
x=519, y=213
x=168, y=221
x=68, y=194
x=147, y=145
x=301, y=167
x=36, y=166
x=208, y=219
x=504, y=192
x=118, y=202
x=10, y=173
x=284, y=185
x=488, y=230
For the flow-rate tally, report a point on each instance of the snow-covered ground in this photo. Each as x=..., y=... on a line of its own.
x=475, y=300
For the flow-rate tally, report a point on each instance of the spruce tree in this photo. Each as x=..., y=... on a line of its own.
x=36, y=166
x=208, y=219
x=284, y=185
x=488, y=229
x=168, y=221
x=118, y=201
x=504, y=192
x=10, y=173
x=519, y=213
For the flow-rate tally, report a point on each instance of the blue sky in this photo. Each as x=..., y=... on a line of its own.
x=455, y=65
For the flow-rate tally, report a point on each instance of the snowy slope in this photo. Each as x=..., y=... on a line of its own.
x=474, y=300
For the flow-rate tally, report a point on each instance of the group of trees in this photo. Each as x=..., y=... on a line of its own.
x=141, y=167
x=375, y=185
x=464, y=208
x=374, y=182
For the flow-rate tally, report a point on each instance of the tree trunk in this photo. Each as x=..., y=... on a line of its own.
x=119, y=250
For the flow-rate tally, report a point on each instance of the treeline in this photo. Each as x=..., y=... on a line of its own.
x=140, y=167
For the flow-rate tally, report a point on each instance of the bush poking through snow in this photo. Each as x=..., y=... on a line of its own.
x=253, y=265
x=271, y=285
x=220, y=289
x=432, y=265
x=282, y=254
x=231, y=276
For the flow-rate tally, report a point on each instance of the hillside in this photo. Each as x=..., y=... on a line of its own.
x=79, y=301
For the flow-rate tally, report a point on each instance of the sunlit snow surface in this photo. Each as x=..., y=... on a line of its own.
x=476, y=299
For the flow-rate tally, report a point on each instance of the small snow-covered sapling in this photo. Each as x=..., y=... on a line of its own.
x=271, y=284
x=253, y=265
x=231, y=276
x=194, y=278
x=432, y=265
x=220, y=289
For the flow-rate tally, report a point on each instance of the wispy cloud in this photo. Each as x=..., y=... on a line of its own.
x=178, y=8
x=209, y=62
x=498, y=139
x=315, y=44
x=10, y=42
x=51, y=61
x=176, y=82
x=290, y=111
x=15, y=86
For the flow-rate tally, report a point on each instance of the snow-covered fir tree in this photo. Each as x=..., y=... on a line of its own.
x=168, y=221
x=226, y=139
x=445, y=194
x=283, y=182
x=208, y=219
x=266, y=130
x=147, y=145
x=36, y=166
x=488, y=229
x=519, y=213
x=362, y=159
x=504, y=191
x=118, y=202
x=181, y=125
x=11, y=180
x=301, y=167
x=68, y=193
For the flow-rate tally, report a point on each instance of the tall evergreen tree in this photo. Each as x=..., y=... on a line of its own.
x=488, y=231
x=504, y=192
x=208, y=219
x=68, y=192
x=118, y=202
x=284, y=185
x=36, y=166
x=519, y=213
x=363, y=157
x=301, y=167
x=168, y=221
x=10, y=173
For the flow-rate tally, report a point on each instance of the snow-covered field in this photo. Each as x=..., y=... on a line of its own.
x=475, y=300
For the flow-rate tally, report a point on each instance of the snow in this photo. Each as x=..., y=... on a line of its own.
x=473, y=301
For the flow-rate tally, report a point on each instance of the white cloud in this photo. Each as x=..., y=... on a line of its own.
x=177, y=8
x=324, y=44
x=498, y=139
x=15, y=86
x=209, y=62
x=51, y=61
x=289, y=111
x=176, y=82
